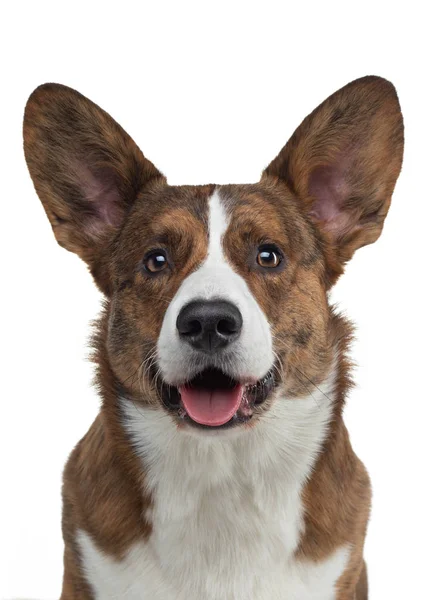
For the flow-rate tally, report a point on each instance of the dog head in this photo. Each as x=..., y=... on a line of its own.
x=217, y=295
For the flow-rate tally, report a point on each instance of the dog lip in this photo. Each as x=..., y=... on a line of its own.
x=255, y=394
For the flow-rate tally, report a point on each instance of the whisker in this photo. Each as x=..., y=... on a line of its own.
x=278, y=365
x=132, y=375
x=147, y=364
x=313, y=383
x=304, y=375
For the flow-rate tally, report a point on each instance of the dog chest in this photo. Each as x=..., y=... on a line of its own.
x=225, y=524
x=139, y=576
x=226, y=514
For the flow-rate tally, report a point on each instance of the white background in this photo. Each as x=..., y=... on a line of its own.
x=211, y=91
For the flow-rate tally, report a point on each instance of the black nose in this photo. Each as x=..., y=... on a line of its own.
x=209, y=325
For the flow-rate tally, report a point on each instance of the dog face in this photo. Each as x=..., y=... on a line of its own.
x=229, y=282
x=217, y=295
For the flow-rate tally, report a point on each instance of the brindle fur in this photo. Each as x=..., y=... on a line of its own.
x=326, y=194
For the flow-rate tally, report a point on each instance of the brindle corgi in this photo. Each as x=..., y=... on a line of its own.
x=219, y=466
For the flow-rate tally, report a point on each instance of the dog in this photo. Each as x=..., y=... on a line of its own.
x=219, y=466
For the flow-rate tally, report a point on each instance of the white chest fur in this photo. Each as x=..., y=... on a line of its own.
x=227, y=514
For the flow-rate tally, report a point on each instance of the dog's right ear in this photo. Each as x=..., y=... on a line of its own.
x=86, y=169
x=342, y=164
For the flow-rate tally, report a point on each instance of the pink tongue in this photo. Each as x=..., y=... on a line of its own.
x=211, y=407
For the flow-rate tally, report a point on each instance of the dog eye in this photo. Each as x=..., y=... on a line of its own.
x=269, y=257
x=156, y=261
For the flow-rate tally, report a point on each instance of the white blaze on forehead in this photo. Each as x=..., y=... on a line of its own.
x=250, y=357
x=218, y=224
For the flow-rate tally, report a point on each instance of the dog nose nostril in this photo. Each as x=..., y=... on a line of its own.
x=209, y=325
x=226, y=326
x=196, y=327
x=193, y=328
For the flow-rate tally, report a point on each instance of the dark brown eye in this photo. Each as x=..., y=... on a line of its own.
x=269, y=257
x=156, y=261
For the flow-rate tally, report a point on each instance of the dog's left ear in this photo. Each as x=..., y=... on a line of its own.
x=87, y=171
x=342, y=163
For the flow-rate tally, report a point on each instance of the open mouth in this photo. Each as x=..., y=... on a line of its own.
x=214, y=400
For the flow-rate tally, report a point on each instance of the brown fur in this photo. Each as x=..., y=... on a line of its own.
x=325, y=195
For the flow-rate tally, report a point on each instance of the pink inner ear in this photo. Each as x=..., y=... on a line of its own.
x=101, y=191
x=329, y=188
